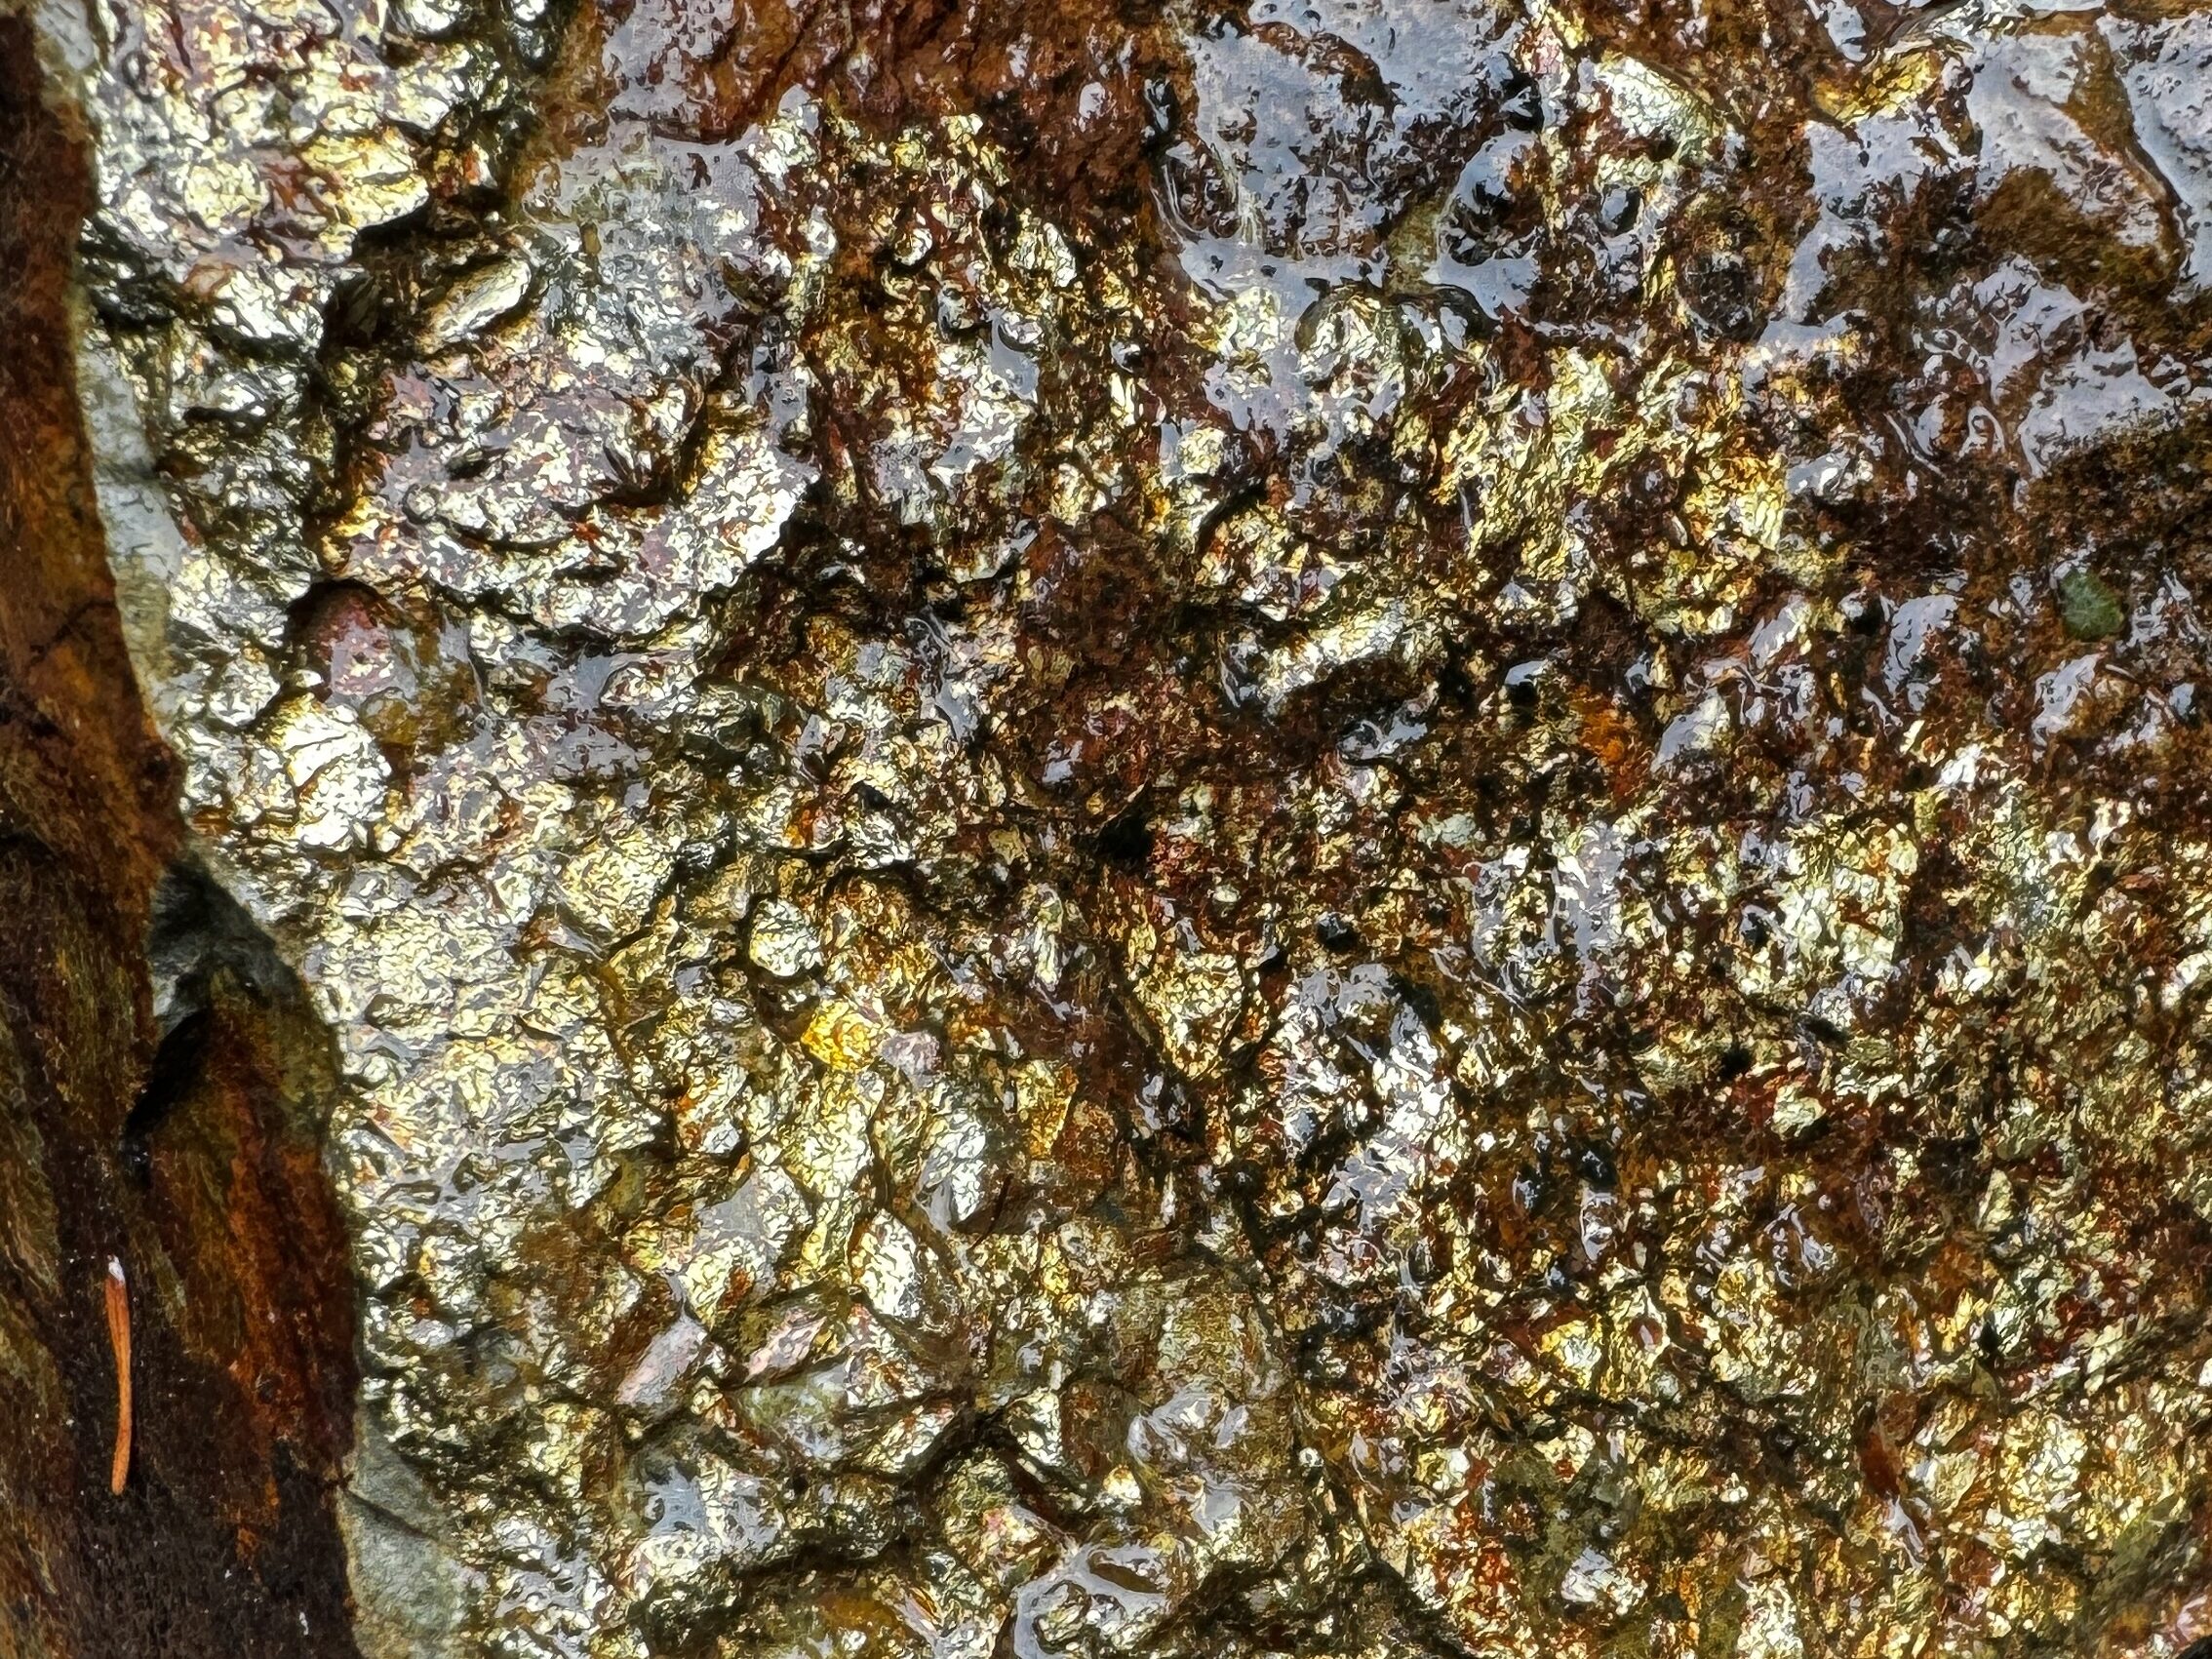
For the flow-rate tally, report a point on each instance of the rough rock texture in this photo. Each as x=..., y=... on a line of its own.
x=159, y=1075
x=1366, y=827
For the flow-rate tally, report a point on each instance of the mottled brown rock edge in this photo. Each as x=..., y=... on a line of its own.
x=190, y=1158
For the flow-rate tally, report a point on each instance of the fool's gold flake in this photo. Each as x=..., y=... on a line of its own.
x=1349, y=828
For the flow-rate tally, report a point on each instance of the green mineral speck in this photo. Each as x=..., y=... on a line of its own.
x=2091, y=610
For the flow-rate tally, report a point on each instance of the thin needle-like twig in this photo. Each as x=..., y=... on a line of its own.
x=119, y=1339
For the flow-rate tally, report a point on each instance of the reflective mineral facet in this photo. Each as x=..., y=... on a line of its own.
x=1362, y=827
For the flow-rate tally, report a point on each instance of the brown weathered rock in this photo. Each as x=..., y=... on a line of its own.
x=193, y=1160
x=1356, y=827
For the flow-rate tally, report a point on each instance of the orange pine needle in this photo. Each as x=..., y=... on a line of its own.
x=119, y=1339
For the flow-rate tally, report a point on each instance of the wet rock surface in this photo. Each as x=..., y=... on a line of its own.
x=1353, y=828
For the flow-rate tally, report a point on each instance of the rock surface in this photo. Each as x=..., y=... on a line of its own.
x=1337, y=828
x=161, y=1080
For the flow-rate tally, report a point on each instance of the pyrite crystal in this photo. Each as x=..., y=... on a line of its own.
x=1335, y=828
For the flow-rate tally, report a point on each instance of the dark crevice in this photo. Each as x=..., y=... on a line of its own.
x=176, y=1071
